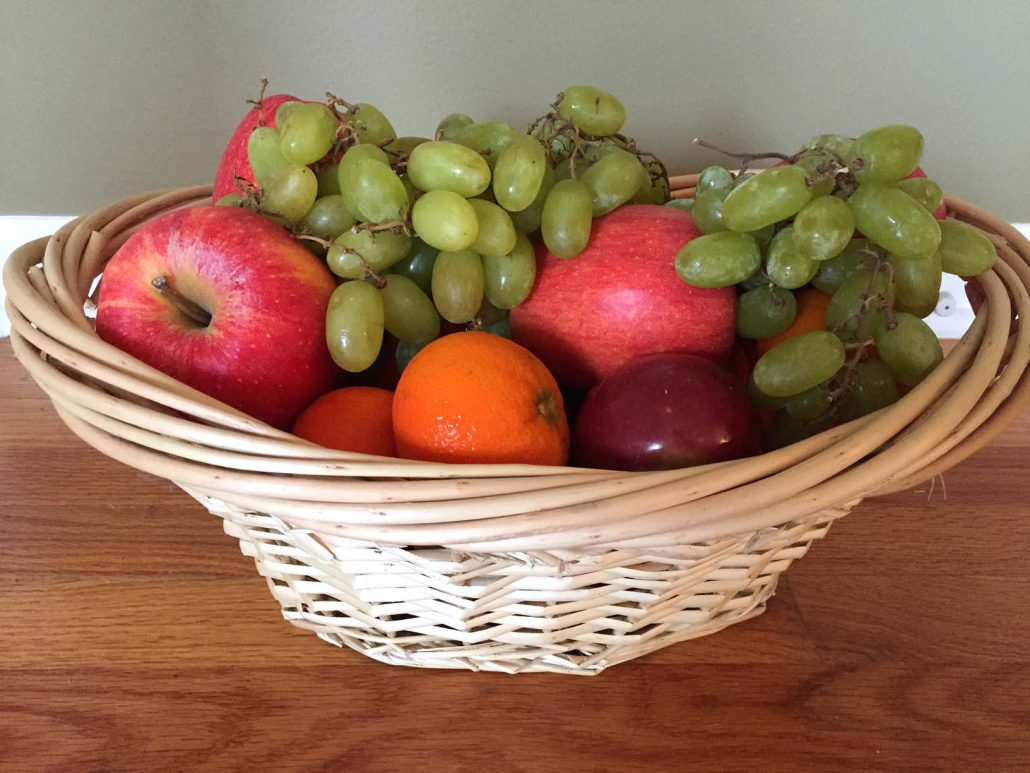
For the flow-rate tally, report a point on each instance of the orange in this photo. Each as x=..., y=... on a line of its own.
x=351, y=419
x=811, y=316
x=475, y=397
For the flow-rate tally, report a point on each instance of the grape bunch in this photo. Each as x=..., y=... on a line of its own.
x=851, y=218
x=423, y=231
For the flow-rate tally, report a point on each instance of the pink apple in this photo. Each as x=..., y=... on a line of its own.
x=227, y=302
x=621, y=298
x=234, y=160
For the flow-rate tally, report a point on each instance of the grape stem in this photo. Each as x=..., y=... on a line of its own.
x=745, y=158
x=394, y=226
x=859, y=349
x=309, y=237
x=260, y=102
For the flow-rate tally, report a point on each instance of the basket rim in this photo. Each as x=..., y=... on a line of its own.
x=148, y=420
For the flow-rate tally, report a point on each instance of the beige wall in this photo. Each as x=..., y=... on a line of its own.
x=102, y=99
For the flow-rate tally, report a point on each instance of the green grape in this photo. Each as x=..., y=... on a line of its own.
x=231, y=200
x=785, y=264
x=593, y=111
x=909, y=348
x=500, y=328
x=567, y=217
x=756, y=280
x=857, y=256
x=509, y=278
x=707, y=211
x=810, y=404
x=917, y=283
x=885, y=154
x=768, y=197
x=354, y=325
x=345, y=171
x=837, y=145
x=528, y=220
x=488, y=314
x=924, y=190
x=613, y=180
x=404, y=145
x=414, y=194
x=357, y=250
x=308, y=133
x=799, y=363
x=409, y=315
x=376, y=192
x=266, y=159
x=786, y=430
x=282, y=113
x=445, y=220
x=760, y=399
x=291, y=194
x=654, y=191
x=686, y=205
x=519, y=173
x=819, y=166
x=715, y=178
x=328, y=218
x=417, y=265
x=718, y=260
x=873, y=387
x=823, y=227
x=448, y=166
x=328, y=180
x=765, y=312
x=965, y=250
x=458, y=285
x=406, y=352
x=894, y=220
x=764, y=235
x=451, y=126
x=842, y=314
x=741, y=178
x=488, y=138
x=370, y=124
x=496, y=234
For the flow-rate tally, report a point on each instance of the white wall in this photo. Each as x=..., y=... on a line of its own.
x=104, y=98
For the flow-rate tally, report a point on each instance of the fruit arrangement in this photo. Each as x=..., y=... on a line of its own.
x=457, y=297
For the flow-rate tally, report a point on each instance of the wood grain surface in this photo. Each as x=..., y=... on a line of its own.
x=134, y=636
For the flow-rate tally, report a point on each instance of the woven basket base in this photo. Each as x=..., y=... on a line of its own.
x=563, y=611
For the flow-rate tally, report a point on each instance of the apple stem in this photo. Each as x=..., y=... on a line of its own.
x=193, y=311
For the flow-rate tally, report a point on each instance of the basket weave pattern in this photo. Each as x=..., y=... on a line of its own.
x=502, y=567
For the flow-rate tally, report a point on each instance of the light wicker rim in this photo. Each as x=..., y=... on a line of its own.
x=146, y=419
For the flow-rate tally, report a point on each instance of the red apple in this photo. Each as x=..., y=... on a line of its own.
x=234, y=160
x=664, y=411
x=621, y=298
x=263, y=348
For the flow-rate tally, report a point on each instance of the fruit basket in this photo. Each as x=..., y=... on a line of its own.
x=502, y=567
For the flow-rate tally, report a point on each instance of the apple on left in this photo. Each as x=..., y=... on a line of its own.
x=227, y=302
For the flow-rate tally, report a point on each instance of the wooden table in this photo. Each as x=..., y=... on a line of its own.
x=136, y=637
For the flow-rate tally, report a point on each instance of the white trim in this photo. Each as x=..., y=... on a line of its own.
x=15, y=230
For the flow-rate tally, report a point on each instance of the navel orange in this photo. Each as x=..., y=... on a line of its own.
x=811, y=316
x=475, y=397
x=356, y=419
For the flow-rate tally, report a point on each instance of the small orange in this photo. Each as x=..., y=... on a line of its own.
x=475, y=397
x=811, y=316
x=356, y=419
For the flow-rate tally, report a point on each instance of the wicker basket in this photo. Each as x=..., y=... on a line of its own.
x=501, y=567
